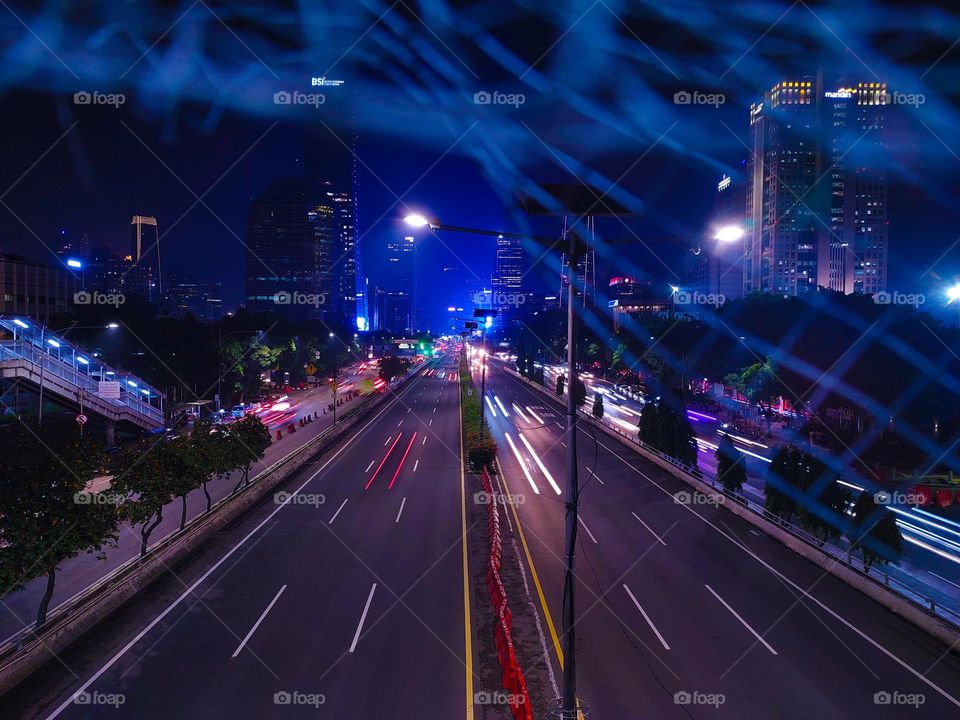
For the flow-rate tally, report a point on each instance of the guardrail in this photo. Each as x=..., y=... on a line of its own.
x=119, y=585
x=512, y=677
x=840, y=555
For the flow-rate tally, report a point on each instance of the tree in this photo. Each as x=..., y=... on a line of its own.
x=249, y=439
x=825, y=501
x=598, y=407
x=665, y=427
x=731, y=466
x=392, y=366
x=761, y=385
x=580, y=396
x=47, y=517
x=142, y=477
x=560, y=384
x=877, y=536
x=783, y=473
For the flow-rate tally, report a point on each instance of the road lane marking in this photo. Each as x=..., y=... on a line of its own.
x=543, y=468
x=580, y=520
x=400, y=423
x=523, y=465
x=338, y=511
x=366, y=609
x=647, y=618
x=742, y=621
x=400, y=512
x=424, y=441
x=533, y=570
x=430, y=424
x=189, y=592
x=402, y=461
x=416, y=464
x=259, y=620
x=659, y=539
x=597, y=478
x=370, y=465
x=382, y=463
x=467, y=625
x=388, y=441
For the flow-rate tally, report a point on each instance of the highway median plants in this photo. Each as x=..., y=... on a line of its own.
x=480, y=445
x=801, y=488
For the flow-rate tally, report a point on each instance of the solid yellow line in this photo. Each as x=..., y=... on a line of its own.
x=533, y=570
x=467, y=627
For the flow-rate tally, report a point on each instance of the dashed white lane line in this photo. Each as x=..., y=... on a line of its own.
x=424, y=441
x=402, y=503
x=388, y=441
x=366, y=609
x=400, y=423
x=430, y=424
x=580, y=519
x=742, y=621
x=338, y=511
x=370, y=465
x=659, y=539
x=417, y=463
x=647, y=618
x=259, y=620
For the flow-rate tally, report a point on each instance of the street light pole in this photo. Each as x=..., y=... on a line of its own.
x=569, y=696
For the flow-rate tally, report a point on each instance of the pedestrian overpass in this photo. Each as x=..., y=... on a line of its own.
x=49, y=364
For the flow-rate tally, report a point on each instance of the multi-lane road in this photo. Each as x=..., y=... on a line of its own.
x=687, y=611
x=343, y=597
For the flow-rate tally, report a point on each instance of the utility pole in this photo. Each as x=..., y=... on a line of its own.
x=573, y=491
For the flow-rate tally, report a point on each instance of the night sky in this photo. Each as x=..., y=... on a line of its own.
x=598, y=83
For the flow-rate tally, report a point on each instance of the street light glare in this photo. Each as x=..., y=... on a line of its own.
x=112, y=326
x=728, y=233
x=953, y=292
x=416, y=220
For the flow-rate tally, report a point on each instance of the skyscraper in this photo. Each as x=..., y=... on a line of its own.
x=330, y=171
x=284, y=251
x=146, y=277
x=402, y=272
x=817, y=206
x=717, y=268
x=508, y=272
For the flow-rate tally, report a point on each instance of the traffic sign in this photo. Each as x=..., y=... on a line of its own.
x=311, y=369
x=82, y=419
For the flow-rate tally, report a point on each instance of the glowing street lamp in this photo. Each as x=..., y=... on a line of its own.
x=729, y=234
x=417, y=220
x=953, y=292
